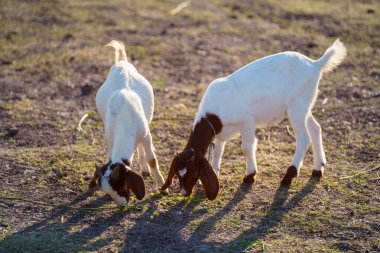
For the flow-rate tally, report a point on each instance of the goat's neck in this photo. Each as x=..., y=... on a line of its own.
x=203, y=134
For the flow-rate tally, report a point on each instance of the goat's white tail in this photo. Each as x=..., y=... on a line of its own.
x=120, y=54
x=333, y=56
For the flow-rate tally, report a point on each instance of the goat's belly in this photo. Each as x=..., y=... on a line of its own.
x=269, y=119
x=228, y=132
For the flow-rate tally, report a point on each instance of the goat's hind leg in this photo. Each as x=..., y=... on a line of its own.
x=316, y=142
x=298, y=120
x=152, y=161
x=144, y=167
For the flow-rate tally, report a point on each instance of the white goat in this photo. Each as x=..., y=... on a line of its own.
x=125, y=102
x=255, y=96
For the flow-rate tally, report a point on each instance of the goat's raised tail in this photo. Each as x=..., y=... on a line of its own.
x=120, y=54
x=333, y=56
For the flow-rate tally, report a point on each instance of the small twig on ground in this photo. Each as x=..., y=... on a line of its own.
x=180, y=7
x=289, y=132
x=79, y=127
x=362, y=172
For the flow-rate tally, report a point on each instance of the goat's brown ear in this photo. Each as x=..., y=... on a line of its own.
x=208, y=178
x=94, y=178
x=135, y=183
x=98, y=170
x=171, y=174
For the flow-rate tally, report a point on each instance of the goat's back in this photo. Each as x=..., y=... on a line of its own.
x=124, y=75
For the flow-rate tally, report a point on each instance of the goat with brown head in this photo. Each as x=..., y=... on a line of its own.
x=117, y=180
x=190, y=165
x=125, y=102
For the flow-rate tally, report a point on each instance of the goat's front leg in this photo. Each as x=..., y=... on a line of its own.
x=249, y=146
x=109, y=132
x=219, y=148
x=144, y=168
x=319, y=157
x=152, y=160
x=298, y=121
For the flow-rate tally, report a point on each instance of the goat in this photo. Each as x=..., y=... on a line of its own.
x=255, y=96
x=125, y=103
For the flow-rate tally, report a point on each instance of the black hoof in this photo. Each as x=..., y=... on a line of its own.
x=287, y=180
x=318, y=174
x=164, y=192
x=250, y=179
x=92, y=184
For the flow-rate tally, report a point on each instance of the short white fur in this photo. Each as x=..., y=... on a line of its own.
x=263, y=93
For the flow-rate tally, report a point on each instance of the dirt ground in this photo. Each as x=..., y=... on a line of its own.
x=52, y=62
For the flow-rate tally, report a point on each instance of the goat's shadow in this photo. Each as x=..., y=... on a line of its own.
x=165, y=232
x=154, y=230
x=59, y=232
x=273, y=217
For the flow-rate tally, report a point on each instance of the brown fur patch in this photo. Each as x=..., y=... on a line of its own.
x=291, y=173
x=202, y=135
x=153, y=163
x=317, y=174
x=93, y=181
x=250, y=179
x=118, y=184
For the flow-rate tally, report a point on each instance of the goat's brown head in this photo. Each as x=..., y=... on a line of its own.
x=189, y=167
x=117, y=180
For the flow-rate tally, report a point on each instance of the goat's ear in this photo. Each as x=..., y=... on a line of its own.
x=94, y=178
x=208, y=178
x=171, y=174
x=136, y=183
x=98, y=170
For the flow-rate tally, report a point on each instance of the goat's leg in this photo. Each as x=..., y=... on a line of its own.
x=249, y=146
x=152, y=160
x=319, y=158
x=144, y=168
x=298, y=122
x=219, y=148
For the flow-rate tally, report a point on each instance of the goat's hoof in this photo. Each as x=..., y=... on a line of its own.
x=317, y=174
x=291, y=173
x=164, y=192
x=145, y=174
x=250, y=179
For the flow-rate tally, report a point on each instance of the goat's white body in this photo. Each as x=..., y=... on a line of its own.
x=125, y=103
x=124, y=75
x=263, y=93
